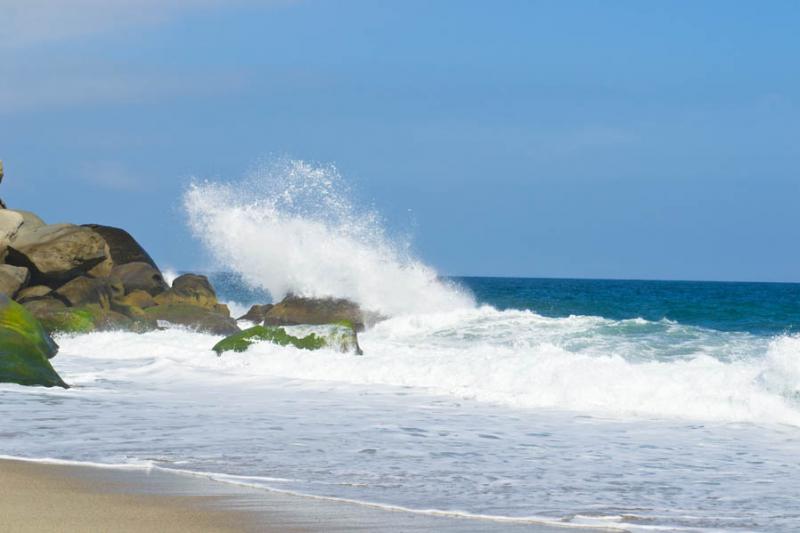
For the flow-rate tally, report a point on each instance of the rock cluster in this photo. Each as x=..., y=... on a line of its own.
x=68, y=278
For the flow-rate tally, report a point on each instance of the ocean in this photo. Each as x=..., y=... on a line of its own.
x=630, y=405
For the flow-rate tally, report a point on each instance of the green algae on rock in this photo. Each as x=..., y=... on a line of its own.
x=25, y=348
x=334, y=336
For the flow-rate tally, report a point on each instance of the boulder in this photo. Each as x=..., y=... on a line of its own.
x=140, y=299
x=10, y=223
x=12, y=279
x=29, y=220
x=55, y=317
x=57, y=253
x=190, y=289
x=194, y=317
x=140, y=276
x=35, y=292
x=25, y=348
x=256, y=313
x=337, y=337
x=294, y=310
x=123, y=248
x=85, y=290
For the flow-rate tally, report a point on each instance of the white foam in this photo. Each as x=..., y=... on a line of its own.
x=291, y=227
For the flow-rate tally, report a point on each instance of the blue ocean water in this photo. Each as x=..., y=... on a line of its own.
x=759, y=308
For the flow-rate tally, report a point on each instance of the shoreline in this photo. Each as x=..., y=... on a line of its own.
x=38, y=496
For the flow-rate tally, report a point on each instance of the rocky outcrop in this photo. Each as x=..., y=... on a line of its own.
x=34, y=292
x=12, y=279
x=140, y=276
x=25, y=348
x=294, y=310
x=57, y=253
x=85, y=290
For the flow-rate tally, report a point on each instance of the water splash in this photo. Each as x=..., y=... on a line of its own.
x=291, y=227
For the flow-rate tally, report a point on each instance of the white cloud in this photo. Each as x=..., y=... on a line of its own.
x=31, y=22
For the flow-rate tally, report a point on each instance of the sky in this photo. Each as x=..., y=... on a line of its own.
x=617, y=139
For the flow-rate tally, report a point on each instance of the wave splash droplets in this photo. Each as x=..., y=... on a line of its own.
x=291, y=227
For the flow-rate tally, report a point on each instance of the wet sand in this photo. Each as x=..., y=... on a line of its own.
x=37, y=497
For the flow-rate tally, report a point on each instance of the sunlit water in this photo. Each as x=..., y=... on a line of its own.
x=639, y=405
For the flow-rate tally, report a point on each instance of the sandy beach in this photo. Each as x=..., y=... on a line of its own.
x=43, y=497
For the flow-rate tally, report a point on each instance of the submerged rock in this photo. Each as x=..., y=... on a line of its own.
x=339, y=337
x=198, y=318
x=294, y=310
x=25, y=348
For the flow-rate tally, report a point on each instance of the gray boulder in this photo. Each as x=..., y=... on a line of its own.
x=57, y=253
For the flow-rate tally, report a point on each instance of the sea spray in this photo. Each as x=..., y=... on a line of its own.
x=292, y=227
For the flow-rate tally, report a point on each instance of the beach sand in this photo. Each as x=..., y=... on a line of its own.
x=44, y=497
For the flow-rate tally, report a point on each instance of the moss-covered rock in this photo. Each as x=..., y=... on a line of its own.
x=334, y=336
x=25, y=348
x=198, y=318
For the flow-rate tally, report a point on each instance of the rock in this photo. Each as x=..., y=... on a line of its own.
x=30, y=220
x=57, y=253
x=239, y=342
x=85, y=290
x=256, y=313
x=122, y=246
x=194, y=317
x=33, y=293
x=25, y=348
x=139, y=299
x=190, y=289
x=12, y=279
x=10, y=223
x=295, y=310
x=55, y=316
x=337, y=337
x=140, y=276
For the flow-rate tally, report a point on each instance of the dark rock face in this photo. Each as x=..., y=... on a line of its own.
x=25, y=348
x=123, y=248
x=140, y=276
x=295, y=310
x=256, y=313
x=12, y=279
x=191, y=316
x=57, y=253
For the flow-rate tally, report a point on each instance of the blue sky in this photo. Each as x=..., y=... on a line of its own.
x=563, y=138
